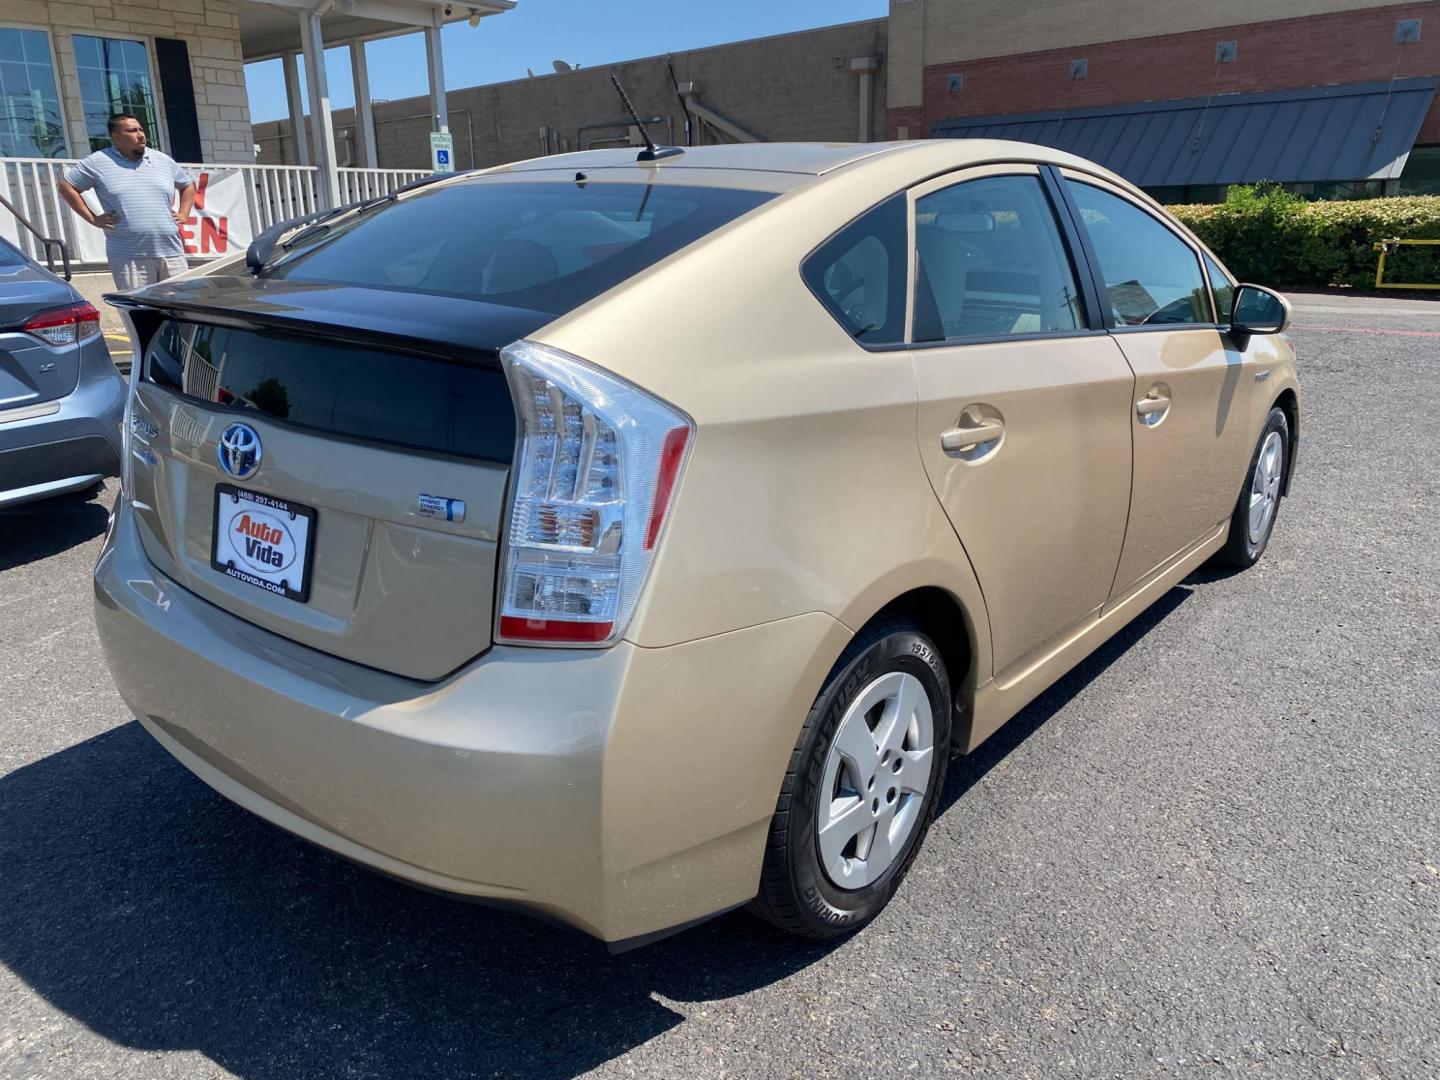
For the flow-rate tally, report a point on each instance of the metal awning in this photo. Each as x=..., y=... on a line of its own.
x=290, y=28
x=269, y=28
x=1362, y=131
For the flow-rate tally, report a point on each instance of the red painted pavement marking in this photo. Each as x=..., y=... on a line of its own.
x=1366, y=330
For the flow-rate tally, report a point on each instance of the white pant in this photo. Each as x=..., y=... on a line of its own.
x=135, y=272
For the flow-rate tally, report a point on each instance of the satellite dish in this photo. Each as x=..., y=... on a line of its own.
x=529, y=73
x=561, y=66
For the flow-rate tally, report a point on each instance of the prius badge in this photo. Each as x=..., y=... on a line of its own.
x=239, y=451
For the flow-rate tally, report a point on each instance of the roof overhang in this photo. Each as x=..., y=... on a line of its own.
x=1361, y=131
x=272, y=27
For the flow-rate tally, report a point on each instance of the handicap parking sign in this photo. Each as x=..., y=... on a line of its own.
x=442, y=149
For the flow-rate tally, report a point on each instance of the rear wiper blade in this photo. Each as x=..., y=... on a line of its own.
x=263, y=246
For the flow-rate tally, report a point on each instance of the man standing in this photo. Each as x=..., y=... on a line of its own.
x=135, y=185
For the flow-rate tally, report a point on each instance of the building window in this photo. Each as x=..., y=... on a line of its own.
x=1422, y=172
x=115, y=78
x=30, y=121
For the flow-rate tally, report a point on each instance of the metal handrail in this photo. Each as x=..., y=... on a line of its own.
x=45, y=241
x=1388, y=247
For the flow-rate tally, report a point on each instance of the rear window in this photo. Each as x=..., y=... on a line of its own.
x=368, y=394
x=544, y=246
x=10, y=257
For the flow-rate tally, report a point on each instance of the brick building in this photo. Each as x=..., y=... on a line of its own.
x=813, y=85
x=1360, y=77
x=1327, y=96
x=67, y=65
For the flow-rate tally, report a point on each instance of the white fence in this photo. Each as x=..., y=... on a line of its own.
x=272, y=193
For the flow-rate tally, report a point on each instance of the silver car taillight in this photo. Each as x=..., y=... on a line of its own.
x=64, y=325
x=597, y=462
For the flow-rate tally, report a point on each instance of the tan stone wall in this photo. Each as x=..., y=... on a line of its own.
x=792, y=87
x=208, y=27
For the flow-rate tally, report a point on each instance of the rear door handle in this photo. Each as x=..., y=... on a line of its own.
x=967, y=438
x=1149, y=406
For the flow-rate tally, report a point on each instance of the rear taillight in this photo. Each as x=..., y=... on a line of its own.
x=64, y=326
x=597, y=464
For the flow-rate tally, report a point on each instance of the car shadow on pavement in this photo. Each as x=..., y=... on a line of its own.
x=37, y=530
x=161, y=917
x=966, y=772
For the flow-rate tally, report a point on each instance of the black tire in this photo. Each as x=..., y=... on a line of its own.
x=795, y=893
x=1240, y=552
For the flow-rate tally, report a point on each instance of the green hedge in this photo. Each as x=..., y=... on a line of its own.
x=1269, y=236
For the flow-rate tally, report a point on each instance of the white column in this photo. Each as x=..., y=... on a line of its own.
x=322, y=134
x=297, y=110
x=435, y=61
x=865, y=67
x=366, y=149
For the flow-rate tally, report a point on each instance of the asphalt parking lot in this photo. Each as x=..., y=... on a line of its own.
x=1213, y=849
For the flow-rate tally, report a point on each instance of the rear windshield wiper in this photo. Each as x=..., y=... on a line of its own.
x=258, y=254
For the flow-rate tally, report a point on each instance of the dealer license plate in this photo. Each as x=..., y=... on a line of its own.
x=263, y=541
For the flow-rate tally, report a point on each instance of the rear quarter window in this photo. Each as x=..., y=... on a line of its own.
x=859, y=274
x=545, y=246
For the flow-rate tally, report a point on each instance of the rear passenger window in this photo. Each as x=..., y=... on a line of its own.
x=859, y=274
x=1153, y=276
x=990, y=262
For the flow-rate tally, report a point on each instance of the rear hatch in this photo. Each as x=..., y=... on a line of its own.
x=369, y=526
x=31, y=372
x=358, y=372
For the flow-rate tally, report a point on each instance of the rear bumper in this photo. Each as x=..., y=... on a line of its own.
x=624, y=791
x=66, y=444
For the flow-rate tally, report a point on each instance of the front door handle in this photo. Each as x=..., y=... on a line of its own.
x=960, y=439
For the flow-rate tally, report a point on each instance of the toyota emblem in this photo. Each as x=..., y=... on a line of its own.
x=239, y=451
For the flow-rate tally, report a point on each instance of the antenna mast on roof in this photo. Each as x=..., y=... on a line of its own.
x=651, y=151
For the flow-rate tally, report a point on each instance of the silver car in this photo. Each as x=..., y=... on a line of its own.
x=61, y=398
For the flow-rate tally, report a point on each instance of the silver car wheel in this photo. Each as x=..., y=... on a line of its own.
x=876, y=777
x=1265, y=486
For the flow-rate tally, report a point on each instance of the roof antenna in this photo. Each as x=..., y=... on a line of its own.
x=684, y=109
x=651, y=151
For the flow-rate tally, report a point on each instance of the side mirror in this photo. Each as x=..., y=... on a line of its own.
x=1258, y=311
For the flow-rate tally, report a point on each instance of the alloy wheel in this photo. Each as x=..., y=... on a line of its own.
x=876, y=776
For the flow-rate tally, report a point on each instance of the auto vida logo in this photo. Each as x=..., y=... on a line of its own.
x=262, y=540
x=239, y=451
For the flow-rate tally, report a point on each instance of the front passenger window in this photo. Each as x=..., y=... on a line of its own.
x=1152, y=275
x=990, y=262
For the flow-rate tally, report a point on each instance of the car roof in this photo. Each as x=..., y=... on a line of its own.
x=807, y=159
x=783, y=166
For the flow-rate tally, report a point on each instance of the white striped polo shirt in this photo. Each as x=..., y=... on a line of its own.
x=140, y=194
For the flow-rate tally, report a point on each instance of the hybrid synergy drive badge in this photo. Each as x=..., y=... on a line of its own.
x=440, y=508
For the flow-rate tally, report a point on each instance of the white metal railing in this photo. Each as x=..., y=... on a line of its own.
x=273, y=193
x=357, y=184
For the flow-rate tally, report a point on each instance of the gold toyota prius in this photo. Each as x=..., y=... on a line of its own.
x=629, y=537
